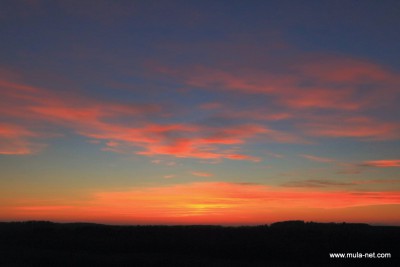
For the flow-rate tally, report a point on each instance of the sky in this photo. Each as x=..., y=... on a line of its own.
x=200, y=112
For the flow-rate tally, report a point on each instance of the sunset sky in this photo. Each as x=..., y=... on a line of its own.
x=200, y=112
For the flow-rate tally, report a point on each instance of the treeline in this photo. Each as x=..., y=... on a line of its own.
x=293, y=243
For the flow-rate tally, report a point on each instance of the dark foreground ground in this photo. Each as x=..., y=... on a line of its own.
x=280, y=244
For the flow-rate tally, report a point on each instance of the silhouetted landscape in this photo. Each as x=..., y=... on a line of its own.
x=291, y=243
x=171, y=115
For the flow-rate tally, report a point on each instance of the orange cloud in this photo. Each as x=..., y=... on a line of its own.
x=382, y=163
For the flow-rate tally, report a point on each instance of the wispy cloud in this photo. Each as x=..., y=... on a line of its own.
x=362, y=128
x=201, y=174
x=316, y=183
x=351, y=169
x=320, y=95
x=275, y=155
x=100, y=120
x=385, y=163
x=305, y=81
x=16, y=140
x=317, y=159
x=313, y=183
x=309, y=95
x=211, y=105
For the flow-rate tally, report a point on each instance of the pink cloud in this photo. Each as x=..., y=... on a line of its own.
x=322, y=98
x=96, y=120
x=15, y=140
x=211, y=105
x=261, y=114
x=364, y=128
x=204, y=142
x=340, y=69
x=305, y=81
x=358, y=91
x=299, y=89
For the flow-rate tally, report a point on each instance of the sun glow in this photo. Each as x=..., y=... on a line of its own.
x=213, y=202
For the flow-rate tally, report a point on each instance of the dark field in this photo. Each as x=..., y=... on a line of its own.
x=280, y=244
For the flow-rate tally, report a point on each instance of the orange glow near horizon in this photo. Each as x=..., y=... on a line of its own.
x=127, y=112
x=217, y=203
